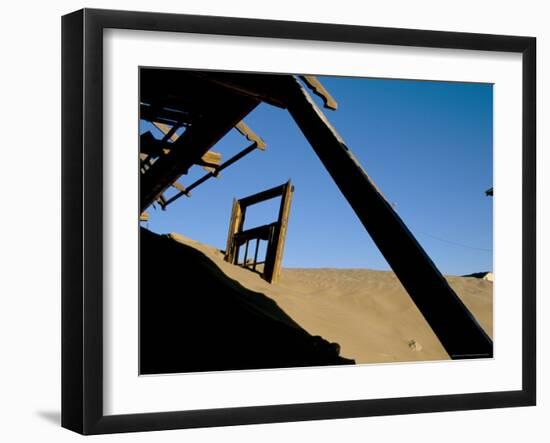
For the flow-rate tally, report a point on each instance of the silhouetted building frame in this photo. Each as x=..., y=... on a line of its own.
x=273, y=233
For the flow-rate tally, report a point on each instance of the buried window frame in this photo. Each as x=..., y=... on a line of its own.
x=274, y=233
x=82, y=232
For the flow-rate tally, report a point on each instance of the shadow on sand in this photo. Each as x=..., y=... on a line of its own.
x=194, y=318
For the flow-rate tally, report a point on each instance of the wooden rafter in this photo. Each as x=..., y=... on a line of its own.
x=250, y=135
x=317, y=87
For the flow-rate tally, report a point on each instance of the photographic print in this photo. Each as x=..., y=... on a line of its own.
x=293, y=220
x=271, y=221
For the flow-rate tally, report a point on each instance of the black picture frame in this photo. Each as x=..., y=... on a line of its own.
x=82, y=231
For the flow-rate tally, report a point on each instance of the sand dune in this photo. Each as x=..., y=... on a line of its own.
x=368, y=313
x=195, y=318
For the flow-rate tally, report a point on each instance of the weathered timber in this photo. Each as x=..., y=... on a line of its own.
x=250, y=135
x=259, y=232
x=235, y=224
x=274, y=233
x=280, y=232
x=317, y=87
x=211, y=158
x=179, y=186
x=276, y=191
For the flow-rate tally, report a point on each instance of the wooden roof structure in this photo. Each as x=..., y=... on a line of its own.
x=209, y=104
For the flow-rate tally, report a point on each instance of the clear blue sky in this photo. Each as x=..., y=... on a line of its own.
x=427, y=145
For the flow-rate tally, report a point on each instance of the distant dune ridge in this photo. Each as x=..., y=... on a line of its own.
x=366, y=315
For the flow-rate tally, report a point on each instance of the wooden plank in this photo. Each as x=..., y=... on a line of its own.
x=261, y=232
x=179, y=186
x=317, y=87
x=275, y=247
x=255, y=262
x=274, y=192
x=284, y=213
x=234, y=224
x=211, y=161
x=250, y=135
x=212, y=158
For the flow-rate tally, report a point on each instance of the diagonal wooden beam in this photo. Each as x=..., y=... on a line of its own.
x=454, y=325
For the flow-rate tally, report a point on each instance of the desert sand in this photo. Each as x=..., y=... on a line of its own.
x=367, y=312
x=196, y=318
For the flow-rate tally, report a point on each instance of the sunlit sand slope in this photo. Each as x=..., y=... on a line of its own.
x=368, y=313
